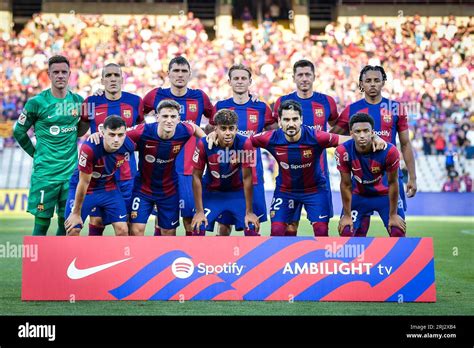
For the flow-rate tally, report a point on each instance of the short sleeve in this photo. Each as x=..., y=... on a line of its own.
x=250, y=158
x=402, y=122
x=342, y=159
x=269, y=119
x=136, y=133
x=199, y=156
x=326, y=139
x=392, y=161
x=86, y=159
x=343, y=120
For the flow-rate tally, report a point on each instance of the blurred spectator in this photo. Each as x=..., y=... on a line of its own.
x=466, y=178
x=451, y=185
x=274, y=11
x=439, y=143
x=246, y=15
x=450, y=157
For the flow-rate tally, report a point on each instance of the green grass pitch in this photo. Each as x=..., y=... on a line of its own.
x=453, y=243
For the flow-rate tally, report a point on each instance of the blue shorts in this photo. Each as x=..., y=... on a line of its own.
x=186, y=195
x=297, y=214
x=168, y=209
x=363, y=206
x=259, y=208
x=402, y=199
x=107, y=203
x=126, y=189
x=284, y=205
x=230, y=202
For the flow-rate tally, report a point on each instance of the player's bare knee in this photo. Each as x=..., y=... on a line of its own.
x=121, y=229
x=137, y=230
x=96, y=221
x=168, y=232
x=224, y=230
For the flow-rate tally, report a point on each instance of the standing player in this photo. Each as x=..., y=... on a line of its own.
x=96, y=108
x=253, y=118
x=369, y=189
x=54, y=114
x=318, y=110
x=97, y=185
x=228, y=182
x=301, y=180
x=156, y=183
x=194, y=103
x=389, y=119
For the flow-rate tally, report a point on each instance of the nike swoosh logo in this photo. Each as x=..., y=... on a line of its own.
x=99, y=113
x=122, y=216
x=355, y=168
x=50, y=116
x=75, y=273
x=322, y=217
x=260, y=216
x=280, y=153
x=97, y=166
x=175, y=222
x=149, y=146
x=213, y=163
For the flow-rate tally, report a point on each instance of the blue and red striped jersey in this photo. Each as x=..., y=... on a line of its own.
x=157, y=158
x=93, y=159
x=299, y=162
x=253, y=118
x=389, y=117
x=368, y=170
x=194, y=104
x=224, y=165
x=95, y=110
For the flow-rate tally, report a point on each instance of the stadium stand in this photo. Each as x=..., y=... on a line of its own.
x=429, y=65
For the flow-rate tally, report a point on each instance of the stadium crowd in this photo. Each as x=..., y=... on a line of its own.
x=430, y=65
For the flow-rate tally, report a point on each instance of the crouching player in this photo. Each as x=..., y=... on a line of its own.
x=228, y=181
x=156, y=182
x=374, y=183
x=97, y=186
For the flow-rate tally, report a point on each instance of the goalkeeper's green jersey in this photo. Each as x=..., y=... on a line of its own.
x=55, y=122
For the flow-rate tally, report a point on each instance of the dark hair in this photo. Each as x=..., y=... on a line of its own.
x=371, y=68
x=109, y=65
x=361, y=117
x=57, y=59
x=168, y=103
x=303, y=63
x=225, y=117
x=114, y=122
x=239, y=67
x=179, y=61
x=290, y=105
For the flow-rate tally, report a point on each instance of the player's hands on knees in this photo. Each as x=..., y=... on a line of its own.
x=95, y=138
x=411, y=188
x=396, y=221
x=99, y=92
x=198, y=219
x=345, y=221
x=251, y=218
x=378, y=143
x=71, y=221
x=211, y=139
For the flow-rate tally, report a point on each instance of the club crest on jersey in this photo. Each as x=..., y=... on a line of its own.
x=272, y=214
x=253, y=118
x=318, y=112
x=192, y=107
x=375, y=170
x=127, y=113
x=133, y=215
x=74, y=113
x=386, y=115
x=176, y=148
x=307, y=153
x=120, y=163
x=40, y=207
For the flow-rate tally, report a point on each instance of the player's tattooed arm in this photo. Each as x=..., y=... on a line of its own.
x=338, y=130
x=75, y=217
x=209, y=128
x=407, y=151
x=394, y=219
x=199, y=216
x=82, y=128
x=346, y=196
x=250, y=217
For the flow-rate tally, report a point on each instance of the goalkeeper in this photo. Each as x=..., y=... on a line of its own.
x=54, y=114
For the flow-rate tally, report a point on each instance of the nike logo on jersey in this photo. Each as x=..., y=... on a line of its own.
x=75, y=273
x=99, y=113
x=51, y=116
x=122, y=216
x=280, y=153
x=150, y=146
